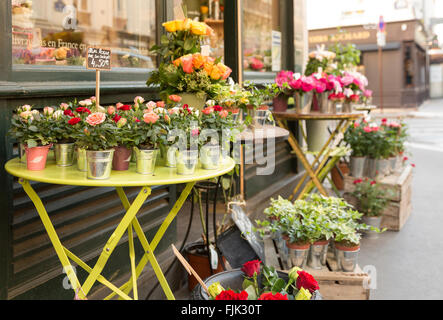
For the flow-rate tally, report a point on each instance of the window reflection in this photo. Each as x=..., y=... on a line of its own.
x=261, y=35
x=57, y=32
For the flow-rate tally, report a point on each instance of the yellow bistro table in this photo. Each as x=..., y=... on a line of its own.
x=317, y=170
x=129, y=223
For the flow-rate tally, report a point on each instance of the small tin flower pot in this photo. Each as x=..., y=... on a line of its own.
x=373, y=222
x=318, y=254
x=186, y=162
x=210, y=157
x=99, y=164
x=64, y=154
x=347, y=257
x=82, y=161
x=146, y=160
x=298, y=254
x=170, y=157
x=358, y=167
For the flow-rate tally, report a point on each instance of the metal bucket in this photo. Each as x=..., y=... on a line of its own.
x=346, y=107
x=377, y=168
x=374, y=222
x=347, y=260
x=358, y=167
x=210, y=157
x=99, y=164
x=82, y=161
x=22, y=153
x=170, y=157
x=64, y=154
x=303, y=103
x=145, y=161
x=297, y=256
x=318, y=255
x=186, y=162
x=325, y=105
x=393, y=164
x=282, y=248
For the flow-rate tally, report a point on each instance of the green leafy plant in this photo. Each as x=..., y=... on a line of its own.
x=371, y=198
x=347, y=56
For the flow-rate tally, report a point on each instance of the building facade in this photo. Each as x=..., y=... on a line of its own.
x=42, y=64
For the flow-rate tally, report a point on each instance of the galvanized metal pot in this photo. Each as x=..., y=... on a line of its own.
x=22, y=153
x=346, y=107
x=358, y=166
x=324, y=104
x=64, y=154
x=186, y=161
x=145, y=161
x=210, y=157
x=82, y=161
x=347, y=258
x=318, y=255
x=373, y=222
x=303, y=102
x=170, y=157
x=297, y=255
x=377, y=168
x=99, y=164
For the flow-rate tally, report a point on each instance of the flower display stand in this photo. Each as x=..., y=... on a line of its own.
x=399, y=193
x=334, y=284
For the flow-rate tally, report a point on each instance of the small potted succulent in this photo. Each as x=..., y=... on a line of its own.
x=31, y=129
x=371, y=201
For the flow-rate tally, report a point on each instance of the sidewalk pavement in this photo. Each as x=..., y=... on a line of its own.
x=432, y=108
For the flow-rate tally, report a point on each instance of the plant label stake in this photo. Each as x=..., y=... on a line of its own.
x=98, y=59
x=189, y=269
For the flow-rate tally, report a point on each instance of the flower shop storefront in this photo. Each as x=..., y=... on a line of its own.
x=42, y=70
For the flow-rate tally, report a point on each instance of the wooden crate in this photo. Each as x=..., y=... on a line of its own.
x=334, y=284
x=400, y=205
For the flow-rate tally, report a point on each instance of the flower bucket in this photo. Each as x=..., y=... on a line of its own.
x=210, y=157
x=303, y=103
x=193, y=101
x=318, y=254
x=233, y=279
x=297, y=255
x=82, y=161
x=146, y=160
x=22, y=153
x=170, y=157
x=373, y=222
x=64, y=154
x=317, y=134
x=122, y=158
x=186, y=161
x=358, y=166
x=346, y=107
x=280, y=103
x=324, y=104
x=347, y=257
x=36, y=157
x=377, y=168
x=99, y=164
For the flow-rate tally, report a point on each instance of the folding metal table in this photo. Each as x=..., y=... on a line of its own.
x=129, y=223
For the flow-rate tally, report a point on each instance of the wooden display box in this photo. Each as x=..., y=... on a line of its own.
x=400, y=206
x=334, y=284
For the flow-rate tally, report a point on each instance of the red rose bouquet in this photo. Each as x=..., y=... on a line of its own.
x=265, y=283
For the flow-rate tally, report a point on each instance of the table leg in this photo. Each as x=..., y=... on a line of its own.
x=150, y=247
x=115, y=238
x=55, y=240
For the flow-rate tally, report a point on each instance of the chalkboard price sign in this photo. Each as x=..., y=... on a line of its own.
x=98, y=59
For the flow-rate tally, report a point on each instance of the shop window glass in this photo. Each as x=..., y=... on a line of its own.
x=57, y=32
x=261, y=35
x=212, y=13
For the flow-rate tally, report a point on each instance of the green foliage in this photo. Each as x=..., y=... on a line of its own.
x=347, y=56
x=177, y=44
x=371, y=198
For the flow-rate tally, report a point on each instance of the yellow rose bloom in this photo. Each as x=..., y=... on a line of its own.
x=198, y=28
x=303, y=294
x=198, y=60
x=178, y=25
x=216, y=73
x=187, y=24
x=170, y=26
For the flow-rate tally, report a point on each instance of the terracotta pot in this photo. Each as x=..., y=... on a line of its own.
x=122, y=158
x=297, y=246
x=342, y=247
x=197, y=257
x=36, y=157
x=336, y=178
